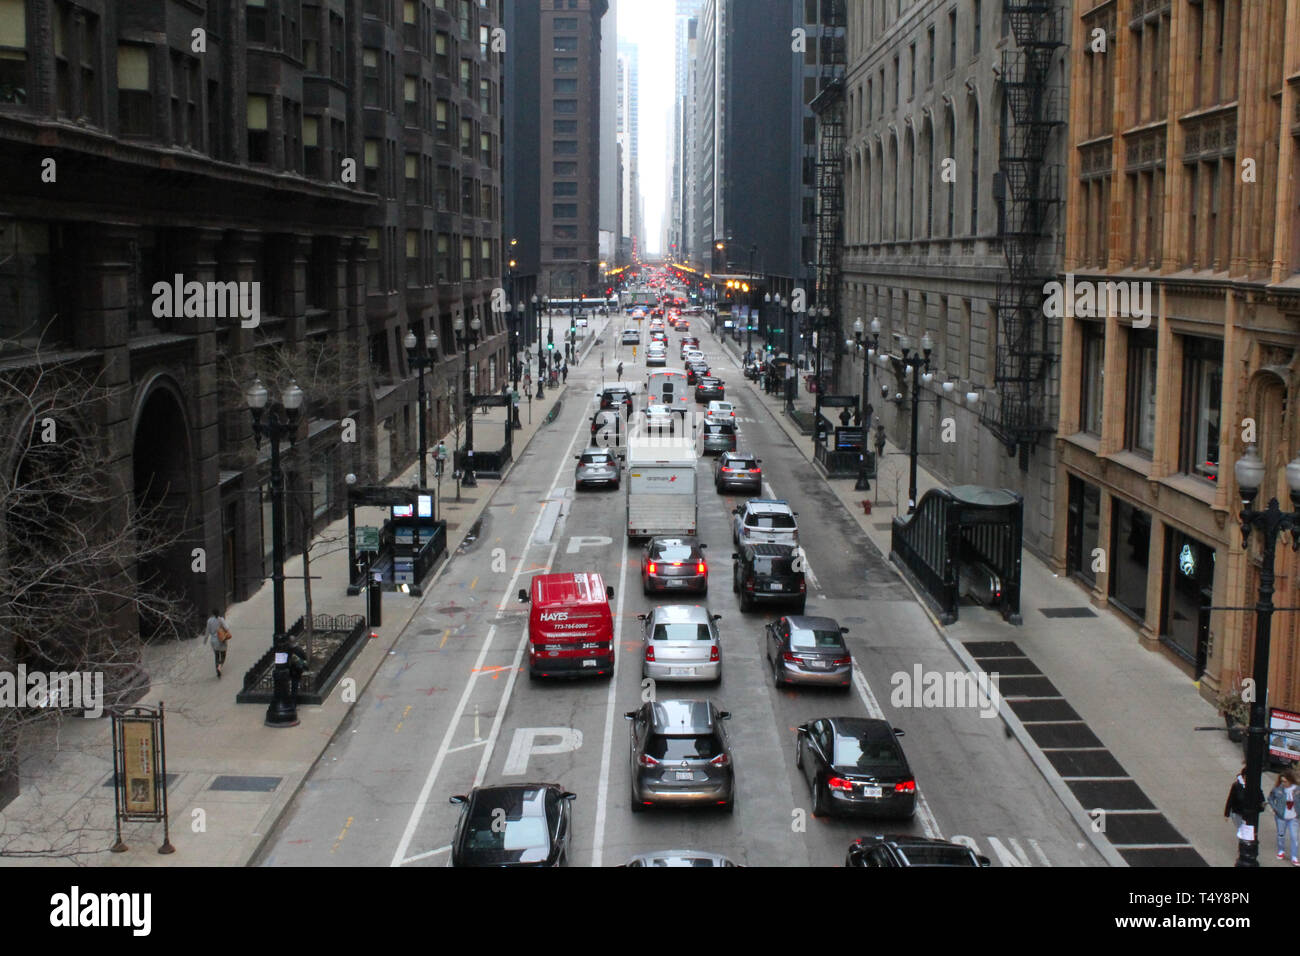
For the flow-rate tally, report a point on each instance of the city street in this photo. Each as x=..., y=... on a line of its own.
x=452, y=709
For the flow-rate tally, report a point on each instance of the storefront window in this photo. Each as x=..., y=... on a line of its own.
x=1084, y=529
x=1202, y=399
x=1130, y=545
x=1189, y=584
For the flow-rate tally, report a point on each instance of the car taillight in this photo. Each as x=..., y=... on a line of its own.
x=791, y=658
x=721, y=760
x=839, y=783
x=905, y=786
x=646, y=760
x=842, y=661
x=727, y=471
x=650, y=653
x=802, y=585
x=699, y=568
x=651, y=569
x=713, y=654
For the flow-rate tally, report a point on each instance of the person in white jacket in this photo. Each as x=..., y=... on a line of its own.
x=1282, y=801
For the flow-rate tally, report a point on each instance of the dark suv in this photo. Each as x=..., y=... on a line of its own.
x=890, y=850
x=737, y=471
x=768, y=573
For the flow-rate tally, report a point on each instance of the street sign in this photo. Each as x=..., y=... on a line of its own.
x=367, y=539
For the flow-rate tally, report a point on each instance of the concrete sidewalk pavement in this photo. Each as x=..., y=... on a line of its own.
x=1145, y=711
x=230, y=777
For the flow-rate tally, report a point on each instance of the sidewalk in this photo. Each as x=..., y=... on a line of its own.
x=1143, y=709
x=229, y=776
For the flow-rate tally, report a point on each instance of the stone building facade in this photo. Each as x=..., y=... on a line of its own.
x=1183, y=174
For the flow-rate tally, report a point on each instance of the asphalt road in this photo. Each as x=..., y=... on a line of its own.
x=452, y=709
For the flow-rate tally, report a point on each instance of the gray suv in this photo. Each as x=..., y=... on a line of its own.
x=596, y=466
x=681, y=755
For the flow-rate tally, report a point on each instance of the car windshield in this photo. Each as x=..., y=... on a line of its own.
x=681, y=632
x=718, y=428
x=595, y=459
x=816, y=638
x=486, y=833
x=868, y=753
x=672, y=552
x=936, y=855
x=742, y=464
x=771, y=565
x=777, y=522
x=693, y=747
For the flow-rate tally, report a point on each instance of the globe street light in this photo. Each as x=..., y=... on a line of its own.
x=1271, y=523
x=868, y=348
x=421, y=361
x=916, y=364
x=276, y=424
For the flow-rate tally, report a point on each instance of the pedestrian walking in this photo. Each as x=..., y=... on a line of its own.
x=1282, y=801
x=564, y=371
x=845, y=417
x=439, y=459
x=1236, y=805
x=297, y=667
x=218, y=637
x=620, y=371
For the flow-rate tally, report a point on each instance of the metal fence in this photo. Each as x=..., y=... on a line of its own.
x=316, y=683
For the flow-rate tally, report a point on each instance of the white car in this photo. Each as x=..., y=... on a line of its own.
x=659, y=417
x=765, y=521
x=720, y=412
x=656, y=355
x=693, y=355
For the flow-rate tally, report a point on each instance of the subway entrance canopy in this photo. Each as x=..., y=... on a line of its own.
x=963, y=542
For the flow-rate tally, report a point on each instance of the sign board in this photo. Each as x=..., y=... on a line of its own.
x=839, y=401
x=367, y=538
x=1283, y=734
x=140, y=771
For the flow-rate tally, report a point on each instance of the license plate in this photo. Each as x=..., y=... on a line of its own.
x=819, y=665
x=777, y=587
x=588, y=663
x=685, y=775
x=683, y=671
x=674, y=584
x=871, y=791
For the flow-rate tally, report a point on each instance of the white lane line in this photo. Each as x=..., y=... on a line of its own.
x=422, y=800
x=456, y=750
x=928, y=823
x=504, y=703
x=425, y=856
x=606, y=757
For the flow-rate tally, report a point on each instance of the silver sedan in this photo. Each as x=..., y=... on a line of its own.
x=681, y=643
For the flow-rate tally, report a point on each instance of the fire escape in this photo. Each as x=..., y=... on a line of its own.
x=1028, y=193
x=828, y=106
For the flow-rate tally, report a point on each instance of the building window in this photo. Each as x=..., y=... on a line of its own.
x=467, y=137
x=1202, y=403
x=565, y=252
x=563, y=86
x=443, y=261
x=1189, y=586
x=565, y=64
x=566, y=23
x=255, y=21
x=370, y=77
x=566, y=44
x=467, y=77
x=563, y=210
x=1141, y=424
x=565, y=127
x=1092, y=379
x=441, y=60
x=564, y=189
x=13, y=51
x=1130, y=545
x=311, y=37
x=466, y=259
x=311, y=147
x=134, y=99
x=566, y=107
x=565, y=147
x=411, y=100
x=564, y=232
x=371, y=165
x=443, y=123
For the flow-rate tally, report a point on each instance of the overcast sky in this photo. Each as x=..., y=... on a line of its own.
x=649, y=24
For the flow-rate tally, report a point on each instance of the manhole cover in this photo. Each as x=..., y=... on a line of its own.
x=246, y=784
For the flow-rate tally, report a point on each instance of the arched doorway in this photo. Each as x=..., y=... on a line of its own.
x=161, y=463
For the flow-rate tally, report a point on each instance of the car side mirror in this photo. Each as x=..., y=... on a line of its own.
x=630, y=715
x=460, y=798
x=758, y=461
x=898, y=732
x=577, y=458
x=801, y=730
x=983, y=860
x=523, y=596
x=568, y=796
x=735, y=556
x=703, y=546
x=844, y=630
x=717, y=617
x=641, y=617
x=724, y=715
x=609, y=591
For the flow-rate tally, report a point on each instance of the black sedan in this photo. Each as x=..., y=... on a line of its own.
x=695, y=371
x=890, y=850
x=854, y=765
x=710, y=388
x=524, y=824
x=674, y=564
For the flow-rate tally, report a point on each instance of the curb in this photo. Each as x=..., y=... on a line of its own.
x=1054, y=780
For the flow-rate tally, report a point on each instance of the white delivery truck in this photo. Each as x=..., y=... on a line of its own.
x=661, y=487
x=668, y=387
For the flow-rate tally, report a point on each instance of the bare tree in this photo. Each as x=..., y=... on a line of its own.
x=75, y=540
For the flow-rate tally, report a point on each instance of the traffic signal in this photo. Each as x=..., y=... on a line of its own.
x=550, y=339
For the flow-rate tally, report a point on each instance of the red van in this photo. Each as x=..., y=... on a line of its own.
x=570, y=627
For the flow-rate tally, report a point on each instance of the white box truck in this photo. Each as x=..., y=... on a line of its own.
x=661, y=487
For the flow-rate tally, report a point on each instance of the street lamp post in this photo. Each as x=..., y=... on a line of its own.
x=1271, y=523
x=539, y=303
x=918, y=366
x=420, y=362
x=868, y=348
x=470, y=339
x=515, y=362
x=270, y=424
